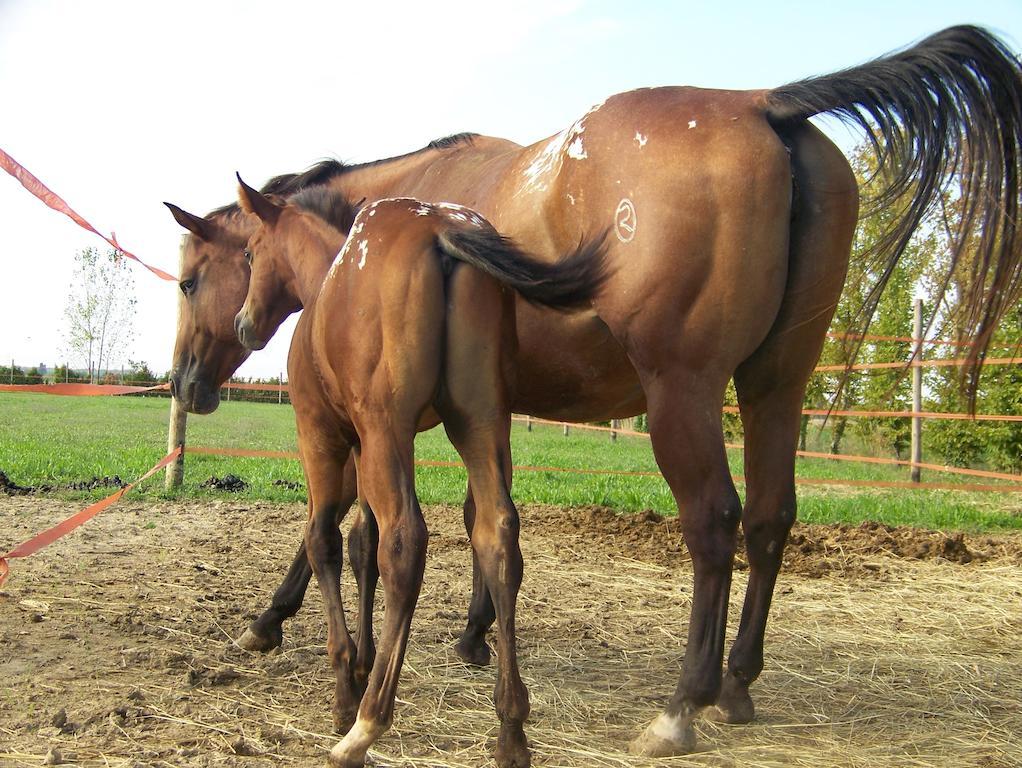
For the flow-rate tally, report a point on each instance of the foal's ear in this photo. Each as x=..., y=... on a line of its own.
x=198, y=226
x=253, y=201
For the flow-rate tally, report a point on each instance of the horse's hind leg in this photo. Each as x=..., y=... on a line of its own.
x=688, y=443
x=323, y=456
x=266, y=632
x=484, y=445
x=471, y=646
x=771, y=385
x=387, y=483
x=771, y=432
x=363, y=543
x=477, y=418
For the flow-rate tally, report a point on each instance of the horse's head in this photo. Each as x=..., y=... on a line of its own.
x=273, y=291
x=214, y=280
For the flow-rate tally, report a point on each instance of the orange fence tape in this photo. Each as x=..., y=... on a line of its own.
x=50, y=535
x=54, y=201
x=916, y=364
x=246, y=453
x=909, y=339
x=902, y=414
x=81, y=390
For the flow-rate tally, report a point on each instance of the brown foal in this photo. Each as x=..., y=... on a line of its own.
x=411, y=324
x=732, y=218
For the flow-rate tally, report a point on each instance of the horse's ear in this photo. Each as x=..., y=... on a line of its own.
x=198, y=226
x=253, y=201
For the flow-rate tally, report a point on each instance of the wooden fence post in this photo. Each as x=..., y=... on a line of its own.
x=614, y=425
x=565, y=425
x=528, y=423
x=280, y=391
x=917, y=392
x=176, y=437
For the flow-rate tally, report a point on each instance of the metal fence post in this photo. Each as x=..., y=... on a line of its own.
x=917, y=392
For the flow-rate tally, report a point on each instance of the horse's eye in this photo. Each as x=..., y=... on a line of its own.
x=187, y=286
x=248, y=256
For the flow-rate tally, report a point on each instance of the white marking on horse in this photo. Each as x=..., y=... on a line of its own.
x=641, y=139
x=462, y=214
x=548, y=161
x=423, y=210
x=363, y=248
x=571, y=198
x=625, y=221
x=544, y=163
x=339, y=258
x=575, y=150
x=691, y=124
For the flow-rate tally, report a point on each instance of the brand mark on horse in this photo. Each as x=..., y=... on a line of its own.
x=625, y=221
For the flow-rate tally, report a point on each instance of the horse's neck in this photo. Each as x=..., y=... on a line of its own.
x=312, y=261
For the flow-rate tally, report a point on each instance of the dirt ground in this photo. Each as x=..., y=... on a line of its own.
x=886, y=646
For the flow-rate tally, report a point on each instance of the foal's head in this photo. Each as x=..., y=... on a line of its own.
x=214, y=279
x=285, y=254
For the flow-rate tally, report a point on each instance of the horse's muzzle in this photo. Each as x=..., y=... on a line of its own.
x=194, y=395
x=245, y=330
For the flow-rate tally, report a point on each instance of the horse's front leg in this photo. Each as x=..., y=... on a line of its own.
x=266, y=632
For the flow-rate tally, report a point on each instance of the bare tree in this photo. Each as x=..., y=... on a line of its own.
x=100, y=310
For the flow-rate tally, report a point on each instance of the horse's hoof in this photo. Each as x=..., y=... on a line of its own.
x=667, y=736
x=512, y=750
x=736, y=710
x=734, y=705
x=474, y=654
x=250, y=641
x=335, y=762
x=344, y=720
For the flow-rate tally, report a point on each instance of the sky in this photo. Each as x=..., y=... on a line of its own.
x=118, y=106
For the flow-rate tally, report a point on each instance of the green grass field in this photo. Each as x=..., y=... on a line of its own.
x=55, y=440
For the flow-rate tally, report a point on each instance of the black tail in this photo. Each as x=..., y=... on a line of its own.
x=569, y=283
x=948, y=108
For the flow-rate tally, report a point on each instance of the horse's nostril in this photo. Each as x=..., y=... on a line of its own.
x=173, y=386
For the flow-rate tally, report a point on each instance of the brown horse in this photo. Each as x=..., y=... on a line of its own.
x=398, y=335
x=732, y=219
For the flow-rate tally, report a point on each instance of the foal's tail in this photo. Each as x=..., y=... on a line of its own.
x=569, y=283
x=947, y=108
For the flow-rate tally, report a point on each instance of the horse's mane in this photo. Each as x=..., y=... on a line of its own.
x=288, y=184
x=330, y=205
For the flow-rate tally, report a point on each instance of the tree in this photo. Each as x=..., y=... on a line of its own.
x=139, y=373
x=100, y=310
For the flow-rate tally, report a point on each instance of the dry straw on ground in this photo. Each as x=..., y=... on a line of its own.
x=872, y=659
